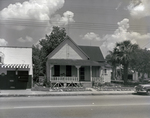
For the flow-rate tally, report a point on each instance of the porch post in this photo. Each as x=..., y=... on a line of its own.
x=50, y=72
x=91, y=73
x=78, y=67
x=100, y=73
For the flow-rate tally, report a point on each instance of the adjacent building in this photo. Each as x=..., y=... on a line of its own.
x=15, y=67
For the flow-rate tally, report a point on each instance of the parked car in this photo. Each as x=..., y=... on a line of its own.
x=142, y=88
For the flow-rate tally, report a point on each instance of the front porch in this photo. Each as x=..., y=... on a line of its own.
x=72, y=75
x=66, y=72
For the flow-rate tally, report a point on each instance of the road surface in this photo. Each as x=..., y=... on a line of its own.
x=107, y=106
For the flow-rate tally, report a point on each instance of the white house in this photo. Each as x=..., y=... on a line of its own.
x=15, y=67
x=69, y=63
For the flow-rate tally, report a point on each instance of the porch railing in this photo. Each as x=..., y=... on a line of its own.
x=64, y=79
x=74, y=79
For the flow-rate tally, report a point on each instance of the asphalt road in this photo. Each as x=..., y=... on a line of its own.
x=107, y=106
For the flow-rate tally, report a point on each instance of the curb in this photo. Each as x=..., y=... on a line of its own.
x=63, y=94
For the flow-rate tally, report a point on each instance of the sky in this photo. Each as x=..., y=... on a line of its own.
x=88, y=22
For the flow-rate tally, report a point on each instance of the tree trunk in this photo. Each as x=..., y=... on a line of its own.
x=125, y=74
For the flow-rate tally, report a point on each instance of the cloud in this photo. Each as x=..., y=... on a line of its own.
x=32, y=9
x=122, y=34
x=27, y=39
x=3, y=42
x=91, y=36
x=67, y=18
x=139, y=8
x=42, y=12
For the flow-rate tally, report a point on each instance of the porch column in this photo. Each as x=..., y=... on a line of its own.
x=50, y=72
x=91, y=73
x=135, y=76
x=99, y=71
x=78, y=67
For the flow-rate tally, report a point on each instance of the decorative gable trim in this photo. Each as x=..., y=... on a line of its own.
x=71, y=45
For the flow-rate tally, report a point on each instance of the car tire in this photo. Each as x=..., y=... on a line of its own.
x=148, y=92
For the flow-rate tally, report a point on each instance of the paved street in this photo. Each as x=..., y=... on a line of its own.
x=107, y=106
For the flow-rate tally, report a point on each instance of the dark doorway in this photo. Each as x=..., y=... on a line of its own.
x=57, y=70
x=4, y=82
x=68, y=71
x=23, y=78
x=11, y=79
x=82, y=74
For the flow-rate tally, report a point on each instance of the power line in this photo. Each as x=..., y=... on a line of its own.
x=44, y=21
x=76, y=25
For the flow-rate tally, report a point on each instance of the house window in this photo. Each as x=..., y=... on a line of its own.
x=56, y=70
x=68, y=71
x=105, y=71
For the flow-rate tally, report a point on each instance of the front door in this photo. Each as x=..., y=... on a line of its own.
x=82, y=74
x=12, y=79
x=68, y=71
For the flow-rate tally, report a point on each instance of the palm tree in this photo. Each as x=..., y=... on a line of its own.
x=124, y=53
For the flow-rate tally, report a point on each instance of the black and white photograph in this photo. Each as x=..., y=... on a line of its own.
x=74, y=58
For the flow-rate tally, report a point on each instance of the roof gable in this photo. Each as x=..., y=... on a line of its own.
x=67, y=50
x=93, y=52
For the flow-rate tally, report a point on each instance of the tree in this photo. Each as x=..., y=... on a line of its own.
x=124, y=53
x=37, y=69
x=142, y=63
x=48, y=44
x=51, y=42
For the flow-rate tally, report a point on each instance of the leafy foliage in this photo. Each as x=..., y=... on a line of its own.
x=142, y=63
x=36, y=62
x=123, y=53
x=48, y=44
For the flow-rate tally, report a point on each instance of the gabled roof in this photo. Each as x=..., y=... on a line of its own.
x=73, y=43
x=93, y=52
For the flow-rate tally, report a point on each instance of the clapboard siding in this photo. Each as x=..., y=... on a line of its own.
x=67, y=50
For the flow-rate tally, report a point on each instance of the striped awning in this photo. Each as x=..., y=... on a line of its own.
x=14, y=66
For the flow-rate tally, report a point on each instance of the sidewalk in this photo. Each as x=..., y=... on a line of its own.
x=28, y=93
